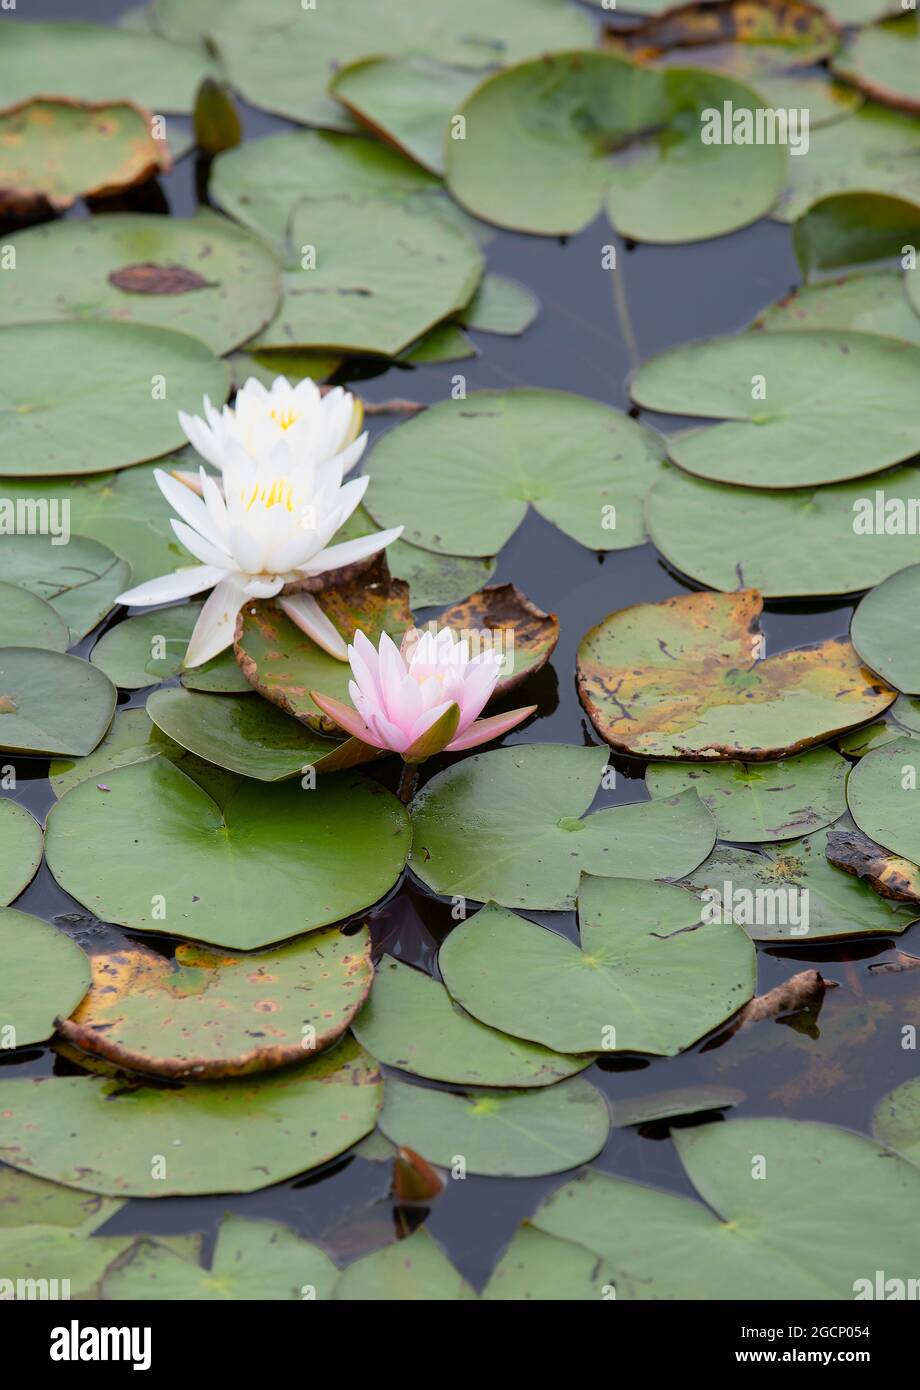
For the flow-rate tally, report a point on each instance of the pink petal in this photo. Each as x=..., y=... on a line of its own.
x=346, y=718
x=483, y=730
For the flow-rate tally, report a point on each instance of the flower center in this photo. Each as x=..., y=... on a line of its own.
x=279, y=494
x=284, y=418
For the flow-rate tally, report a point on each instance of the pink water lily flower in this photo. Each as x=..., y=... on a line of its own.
x=422, y=698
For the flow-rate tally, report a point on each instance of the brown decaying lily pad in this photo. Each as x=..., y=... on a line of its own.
x=209, y=1014
x=798, y=33
x=686, y=678
x=889, y=875
x=502, y=608
x=149, y=278
x=54, y=150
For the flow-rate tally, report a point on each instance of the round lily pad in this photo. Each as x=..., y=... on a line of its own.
x=411, y=1022
x=244, y=735
x=882, y=794
x=369, y=276
x=83, y=397
x=409, y=100
x=104, y=1136
x=883, y=60
x=415, y=1269
x=581, y=465
x=500, y=305
x=884, y=630
x=549, y=142
x=26, y=620
x=43, y=974
x=833, y=540
x=205, y=1014
x=510, y=826
x=252, y=1260
x=272, y=862
x=80, y=579
x=646, y=978
x=896, y=1120
x=687, y=678
x=789, y=892
x=20, y=849
x=798, y=408
x=130, y=738
x=518, y=1134
x=201, y=275
x=151, y=648
x=748, y=1239
x=753, y=802
x=541, y=1267
x=30, y=1201
x=872, y=151
x=853, y=228
x=871, y=302
x=51, y=703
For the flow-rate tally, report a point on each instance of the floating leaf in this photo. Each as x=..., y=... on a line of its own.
x=583, y=467
x=54, y=151
x=443, y=343
x=902, y=720
x=252, y=1260
x=884, y=630
x=408, y=101
x=296, y=366
x=541, y=1267
x=872, y=151
x=61, y=1262
x=851, y=228
x=411, y=1022
x=131, y=738
x=43, y=974
x=646, y=978
x=20, y=849
x=882, y=794
x=885, y=873
x=833, y=540
x=743, y=37
x=896, y=1120
x=539, y=140
x=789, y=892
x=432, y=579
x=82, y=397
x=178, y=863
x=51, y=703
x=26, y=620
x=501, y=305
x=871, y=302
x=519, y=1134
x=212, y=1136
x=151, y=648
x=205, y=1014
x=371, y=277
x=686, y=678
x=824, y=101
x=834, y=406
x=80, y=580
x=753, y=802
x=750, y=1240
x=509, y=826
x=28, y=1201
x=415, y=1269
x=524, y=635
x=201, y=275
x=883, y=60
x=664, y=1105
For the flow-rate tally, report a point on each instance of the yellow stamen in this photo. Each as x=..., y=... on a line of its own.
x=284, y=419
x=280, y=494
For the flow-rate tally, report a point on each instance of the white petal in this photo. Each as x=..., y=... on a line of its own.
x=189, y=506
x=347, y=552
x=202, y=440
x=217, y=622
x=305, y=613
x=201, y=549
x=170, y=587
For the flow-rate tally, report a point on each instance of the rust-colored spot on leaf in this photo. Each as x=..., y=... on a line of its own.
x=149, y=278
x=8, y=705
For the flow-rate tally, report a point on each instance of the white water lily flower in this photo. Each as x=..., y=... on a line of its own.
x=316, y=428
x=264, y=530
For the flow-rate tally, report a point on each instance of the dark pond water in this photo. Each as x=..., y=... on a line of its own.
x=833, y=1067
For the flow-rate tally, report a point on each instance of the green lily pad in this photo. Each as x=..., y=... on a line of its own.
x=205, y=1014
x=151, y=648
x=664, y=1105
x=411, y=1022
x=902, y=720
x=872, y=151
x=836, y=406
x=687, y=677
x=509, y=826
x=443, y=343
x=235, y=732
x=83, y=397
x=884, y=630
x=415, y=1269
x=824, y=101
x=500, y=305
x=55, y=150
x=107, y=1137
x=58, y=1264
x=90, y=61
x=544, y=1268
x=410, y=101
x=29, y=1201
x=252, y=1260
x=20, y=849
x=51, y=703
x=131, y=738
x=871, y=302
x=852, y=228
x=753, y=802
x=433, y=579
x=514, y=1134
x=786, y=1235
x=583, y=467
x=830, y=540
x=896, y=1120
x=296, y=366
x=177, y=863
x=368, y=276
x=536, y=156
x=281, y=59
x=43, y=974
x=646, y=978
x=883, y=60
x=802, y=897
x=80, y=580
x=201, y=275
x=882, y=794
x=26, y=620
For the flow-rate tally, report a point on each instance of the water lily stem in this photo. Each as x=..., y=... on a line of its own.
x=408, y=783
